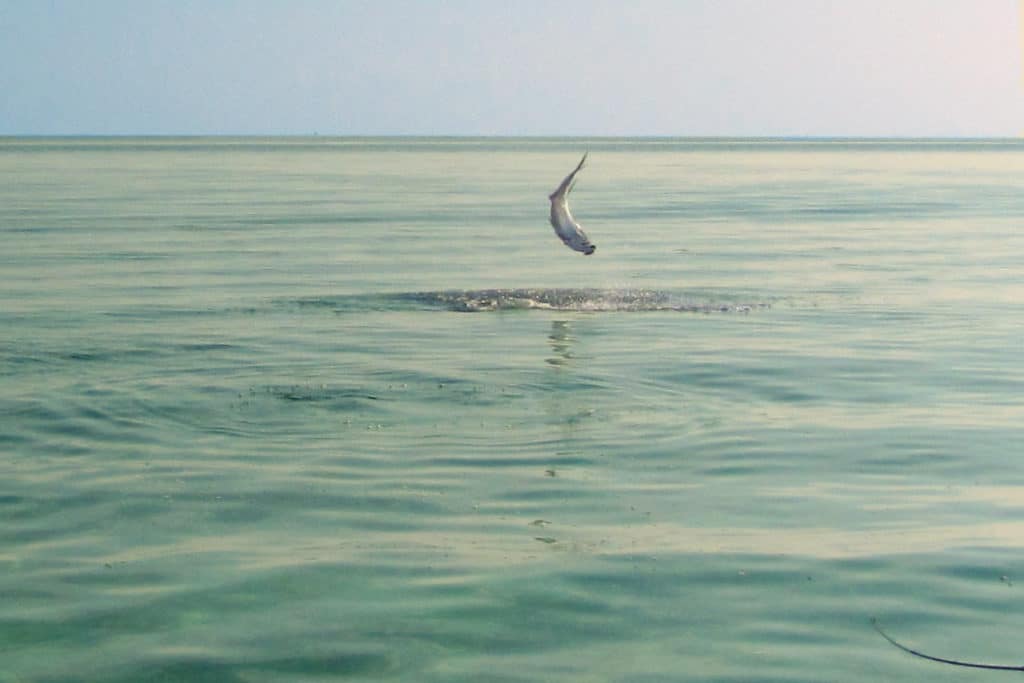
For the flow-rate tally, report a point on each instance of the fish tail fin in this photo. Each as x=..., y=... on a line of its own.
x=583, y=160
x=573, y=174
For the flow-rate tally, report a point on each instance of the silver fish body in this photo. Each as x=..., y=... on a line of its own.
x=566, y=227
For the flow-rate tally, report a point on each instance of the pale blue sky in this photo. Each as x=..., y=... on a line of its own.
x=512, y=67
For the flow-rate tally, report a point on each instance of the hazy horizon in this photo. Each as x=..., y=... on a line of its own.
x=688, y=69
x=473, y=136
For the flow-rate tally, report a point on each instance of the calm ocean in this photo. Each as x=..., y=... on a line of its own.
x=322, y=409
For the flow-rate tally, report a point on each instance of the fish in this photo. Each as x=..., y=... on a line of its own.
x=566, y=227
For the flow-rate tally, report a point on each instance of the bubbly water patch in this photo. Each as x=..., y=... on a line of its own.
x=553, y=299
x=589, y=299
x=320, y=393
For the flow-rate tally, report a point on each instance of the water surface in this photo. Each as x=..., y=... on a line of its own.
x=346, y=409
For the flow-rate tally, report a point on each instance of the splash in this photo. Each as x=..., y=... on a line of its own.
x=556, y=299
x=550, y=299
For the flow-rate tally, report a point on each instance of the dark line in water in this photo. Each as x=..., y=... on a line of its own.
x=943, y=660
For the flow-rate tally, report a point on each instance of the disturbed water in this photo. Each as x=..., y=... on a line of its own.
x=346, y=409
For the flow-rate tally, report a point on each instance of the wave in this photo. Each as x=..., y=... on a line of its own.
x=554, y=299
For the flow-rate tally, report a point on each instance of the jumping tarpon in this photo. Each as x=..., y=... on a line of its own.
x=562, y=221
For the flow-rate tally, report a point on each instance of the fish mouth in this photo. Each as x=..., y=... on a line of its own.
x=590, y=250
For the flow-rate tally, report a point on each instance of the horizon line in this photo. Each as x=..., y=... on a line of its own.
x=468, y=136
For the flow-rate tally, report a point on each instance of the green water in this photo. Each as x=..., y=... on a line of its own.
x=335, y=409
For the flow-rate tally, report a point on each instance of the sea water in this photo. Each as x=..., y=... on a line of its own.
x=318, y=409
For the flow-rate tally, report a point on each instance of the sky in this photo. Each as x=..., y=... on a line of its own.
x=900, y=68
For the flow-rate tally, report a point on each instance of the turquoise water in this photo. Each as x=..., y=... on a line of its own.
x=336, y=409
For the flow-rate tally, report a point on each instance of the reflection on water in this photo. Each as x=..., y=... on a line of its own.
x=560, y=339
x=568, y=400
